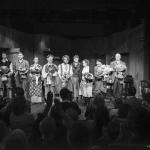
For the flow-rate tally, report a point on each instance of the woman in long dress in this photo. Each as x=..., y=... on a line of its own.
x=35, y=89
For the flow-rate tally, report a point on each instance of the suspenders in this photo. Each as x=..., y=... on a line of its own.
x=62, y=70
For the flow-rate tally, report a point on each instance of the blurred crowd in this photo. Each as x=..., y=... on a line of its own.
x=60, y=125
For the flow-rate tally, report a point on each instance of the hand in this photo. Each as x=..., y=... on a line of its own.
x=55, y=74
x=30, y=75
x=23, y=69
x=68, y=76
x=9, y=74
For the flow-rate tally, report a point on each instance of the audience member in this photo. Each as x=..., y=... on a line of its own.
x=59, y=122
x=67, y=102
x=123, y=111
x=20, y=118
x=48, y=128
x=139, y=123
x=131, y=99
x=4, y=131
x=19, y=98
x=98, y=112
x=16, y=141
x=78, y=137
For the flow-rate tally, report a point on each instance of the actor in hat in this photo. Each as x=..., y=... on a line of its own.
x=49, y=74
x=21, y=69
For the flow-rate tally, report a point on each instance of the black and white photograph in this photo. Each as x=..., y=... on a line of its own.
x=74, y=75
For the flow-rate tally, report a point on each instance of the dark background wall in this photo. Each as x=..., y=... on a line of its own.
x=14, y=39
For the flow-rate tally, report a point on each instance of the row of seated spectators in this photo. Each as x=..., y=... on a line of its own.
x=59, y=126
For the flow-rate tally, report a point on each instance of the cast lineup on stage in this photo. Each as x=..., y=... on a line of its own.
x=75, y=76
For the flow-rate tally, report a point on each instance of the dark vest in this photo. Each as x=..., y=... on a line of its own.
x=4, y=66
x=6, y=63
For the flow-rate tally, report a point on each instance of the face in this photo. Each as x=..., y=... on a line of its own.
x=65, y=60
x=118, y=57
x=50, y=59
x=4, y=56
x=36, y=60
x=98, y=63
x=20, y=56
x=76, y=60
x=84, y=63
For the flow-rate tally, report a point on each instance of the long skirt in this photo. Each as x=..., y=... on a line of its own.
x=35, y=91
x=86, y=89
x=98, y=88
x=75, y=86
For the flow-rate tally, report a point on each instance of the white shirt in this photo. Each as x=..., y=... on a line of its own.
x=85, y=70
x=65, y=69
x=44, y=74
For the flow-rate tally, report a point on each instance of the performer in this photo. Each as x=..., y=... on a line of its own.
x=108, y=80
x=119, y=68
x=49, y=74
x=6, y=71
x=65, y=73
x=86, y=82
x=35, y=88
x=99, y=87
x=21, y=69
x=76, y=67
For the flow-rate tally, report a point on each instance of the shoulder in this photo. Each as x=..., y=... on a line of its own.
x=55, y=65
x=61, y=65
x=45, y=65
